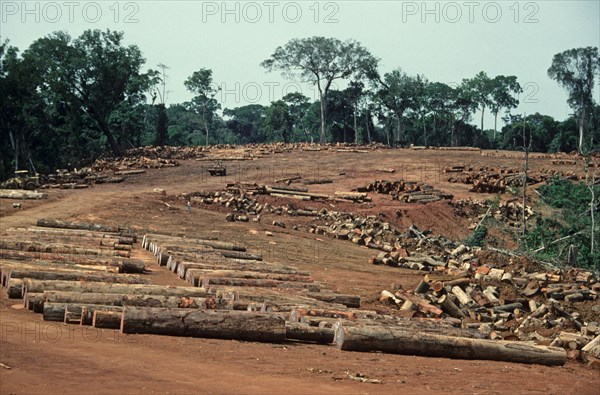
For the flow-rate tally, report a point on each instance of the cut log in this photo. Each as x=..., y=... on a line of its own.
x=38, y=286
x=56, y=311
x=77, y=276
x=450, y=307
x=593, y=347
x=192, y=275
x=236, y=325
x=462, y=297
x=125, y=299
x=306, y=333
x=219, y=245
x=15, y=288
x=51, y=223
x=19, y=194
x=107, y=319
x=401, y=341
x=243, y=282
x=296, y=314
x=52, y=258
x=252, y=266
x=422, y=304
x=241, y=255
x=132, y=266
x=57, y=248
x=352, y=301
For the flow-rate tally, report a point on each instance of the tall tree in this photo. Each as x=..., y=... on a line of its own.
x=105, y=74
x=321, y=61
x=399, y=92
x=160, y=92
x=201, y=84
x=576, y=70
x=278, y=122
x=480, y=89
x=504, y=93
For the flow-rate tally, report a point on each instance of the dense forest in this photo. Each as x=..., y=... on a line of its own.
x=68, y=101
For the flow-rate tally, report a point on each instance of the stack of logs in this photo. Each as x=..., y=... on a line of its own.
x=507, y=300
x=510, y=213
x=407, y=191
x=225, y=268
x=488, y=179
x=132, y=162
x=237, y=296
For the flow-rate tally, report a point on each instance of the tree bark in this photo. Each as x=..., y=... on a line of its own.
x=165, y=239
x=56, y=311
x=18, y=194
x=107, y=319
x=139, y=300
x=307, y=333
x=37, y=286
x=236, y=325
x=77, y=276
x=401, y=341
x=57, y=248
x=352, y=301
x=208, y=281
x=323, y=97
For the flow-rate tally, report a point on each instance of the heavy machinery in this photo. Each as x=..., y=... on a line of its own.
x=22, y=180
x=218, y=169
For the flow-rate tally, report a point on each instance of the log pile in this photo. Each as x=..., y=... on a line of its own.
x=132, y=162
x=487, y=179
x=277, y=287
x=506, y=297
x=407, y=191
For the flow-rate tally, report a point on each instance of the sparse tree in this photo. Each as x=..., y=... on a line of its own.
x=321, y=61
x=576, y=69
x=200, y=83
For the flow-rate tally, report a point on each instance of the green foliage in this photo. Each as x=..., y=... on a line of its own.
x=321, y=61
x=573, y=223
x=477, y=237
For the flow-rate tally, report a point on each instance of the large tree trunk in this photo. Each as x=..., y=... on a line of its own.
x=581, y=128
x=196, y=273
x=209, y=280
x=482, y=114
x=110, y=138
x=352, y=301
x=53, y=223
x=57, y=248
x=167, y=240
x=205, y=323
x=57, y=311
x=323, y=97
x=400, y=341
x=139, y=300
x=18, y=194
x=38, y=286
x=306, y=333
x=495, y=124
x=76, y=276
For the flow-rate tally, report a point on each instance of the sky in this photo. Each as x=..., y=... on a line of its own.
x=445, y=41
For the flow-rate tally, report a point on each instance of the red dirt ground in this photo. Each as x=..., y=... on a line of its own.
x=54, y=358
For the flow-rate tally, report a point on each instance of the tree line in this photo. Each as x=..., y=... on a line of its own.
x=67, y=101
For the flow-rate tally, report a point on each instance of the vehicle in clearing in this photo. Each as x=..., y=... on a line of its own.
x=22, y=180
x=218, y=169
